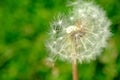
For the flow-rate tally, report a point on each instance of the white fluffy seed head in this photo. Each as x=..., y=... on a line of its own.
x=87, y=29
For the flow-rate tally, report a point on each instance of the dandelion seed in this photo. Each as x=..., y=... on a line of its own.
x=83, y=15
x=54, y=31
x=94, y=16
x=60, y=38
x=54, y=42
x=60, y=22
x=71, y=18
x=83, y=45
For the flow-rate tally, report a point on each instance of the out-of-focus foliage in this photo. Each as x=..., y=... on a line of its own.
x=23, y=31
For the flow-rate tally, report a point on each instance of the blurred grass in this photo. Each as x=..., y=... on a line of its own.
x=23, y=31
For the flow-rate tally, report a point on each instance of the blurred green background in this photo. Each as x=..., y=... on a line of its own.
x=23, y=31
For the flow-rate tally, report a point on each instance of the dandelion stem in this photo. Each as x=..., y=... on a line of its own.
x=74, y=70
x=74, y=60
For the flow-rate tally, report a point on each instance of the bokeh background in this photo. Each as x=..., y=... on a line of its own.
x=23, y=31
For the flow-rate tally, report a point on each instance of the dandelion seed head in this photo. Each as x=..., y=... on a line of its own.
x=86, y=31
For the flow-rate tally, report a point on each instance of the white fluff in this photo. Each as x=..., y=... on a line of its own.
x=90, y=41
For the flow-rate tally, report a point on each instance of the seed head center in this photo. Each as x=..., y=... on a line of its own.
x=76, y=30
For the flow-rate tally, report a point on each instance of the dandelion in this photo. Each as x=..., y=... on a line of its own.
x=79, y=37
